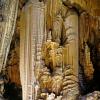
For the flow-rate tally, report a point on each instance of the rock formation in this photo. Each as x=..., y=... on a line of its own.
x=58, y=51
x=57, y=74
x=59, y=48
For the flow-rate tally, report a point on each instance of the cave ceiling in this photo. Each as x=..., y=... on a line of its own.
x=91, y=6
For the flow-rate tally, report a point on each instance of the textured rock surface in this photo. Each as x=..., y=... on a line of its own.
x=12, y=66
x=91, y=96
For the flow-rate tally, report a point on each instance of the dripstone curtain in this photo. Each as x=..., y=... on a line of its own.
x=8, y=14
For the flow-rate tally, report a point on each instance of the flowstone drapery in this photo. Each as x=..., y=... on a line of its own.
x=8, y=15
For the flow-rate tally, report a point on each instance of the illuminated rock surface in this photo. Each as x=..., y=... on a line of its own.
x=55, y=49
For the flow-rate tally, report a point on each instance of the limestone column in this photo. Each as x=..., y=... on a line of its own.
x=32, y=31
x=71, y=54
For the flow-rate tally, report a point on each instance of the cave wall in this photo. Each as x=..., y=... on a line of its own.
x=89, y=52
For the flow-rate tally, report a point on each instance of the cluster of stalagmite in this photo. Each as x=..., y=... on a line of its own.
x=55, y=76
x=59, y=72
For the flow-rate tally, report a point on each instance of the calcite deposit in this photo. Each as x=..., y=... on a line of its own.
x=51, y=48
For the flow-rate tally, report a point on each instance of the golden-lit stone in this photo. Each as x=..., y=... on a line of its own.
x=54, y=67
